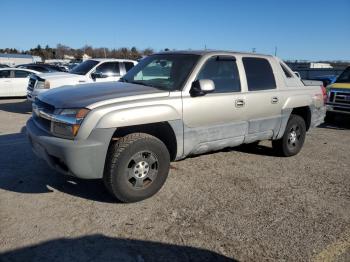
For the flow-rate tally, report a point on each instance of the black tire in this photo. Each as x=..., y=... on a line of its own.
x=293, y=138
x=136, y=168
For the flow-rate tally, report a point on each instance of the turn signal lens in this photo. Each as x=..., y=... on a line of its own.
x=47, y=84
x=75, y=129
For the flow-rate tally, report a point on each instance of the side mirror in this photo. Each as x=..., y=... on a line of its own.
x=95, y=75
x=297, y=74
x=202, y=87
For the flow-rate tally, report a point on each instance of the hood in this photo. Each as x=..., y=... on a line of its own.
x=84, y=95
x=341, y=85
x=60, y=76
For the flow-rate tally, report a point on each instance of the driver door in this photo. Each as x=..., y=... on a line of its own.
x=216, y=120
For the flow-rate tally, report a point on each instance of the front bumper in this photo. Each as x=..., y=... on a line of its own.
x=80, y=158
x=336, y=108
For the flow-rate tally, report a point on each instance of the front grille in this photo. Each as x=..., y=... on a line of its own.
x=44, y=106
x=31, y=84
x=47, y=108
x=43, y=123
x=342, y=98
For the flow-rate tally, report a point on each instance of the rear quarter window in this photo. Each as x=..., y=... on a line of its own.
x=259, y=74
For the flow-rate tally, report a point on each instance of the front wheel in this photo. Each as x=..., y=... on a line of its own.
x=137, y=167
x=293, y=138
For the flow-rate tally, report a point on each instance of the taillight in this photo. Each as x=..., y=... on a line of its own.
x=324, y=93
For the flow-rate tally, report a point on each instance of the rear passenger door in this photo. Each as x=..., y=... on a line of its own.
x=215, y=120
x=263, y=105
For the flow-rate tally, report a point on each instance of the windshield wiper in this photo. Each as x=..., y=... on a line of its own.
x=143, y=84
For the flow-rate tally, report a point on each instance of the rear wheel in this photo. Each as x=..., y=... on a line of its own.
x=293, y=138
x=137, y=167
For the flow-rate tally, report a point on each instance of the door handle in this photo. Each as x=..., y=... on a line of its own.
x=274, y=100
x=240, y=103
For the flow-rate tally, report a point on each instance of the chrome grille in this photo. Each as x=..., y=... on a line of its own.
x=342, y=98
x=45, y=107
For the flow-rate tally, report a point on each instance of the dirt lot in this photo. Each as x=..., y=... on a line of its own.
x=242, y=204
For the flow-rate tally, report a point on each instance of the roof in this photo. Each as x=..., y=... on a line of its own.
x=16, y=56
x=19, y=69
x=111, y=59
x=211, y=52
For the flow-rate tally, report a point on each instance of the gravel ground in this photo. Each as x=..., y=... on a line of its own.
x=238, y=204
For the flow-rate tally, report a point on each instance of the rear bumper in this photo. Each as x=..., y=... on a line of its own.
x=83, y=159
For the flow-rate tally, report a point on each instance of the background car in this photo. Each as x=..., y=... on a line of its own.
x=42, y=68
x=14, y=81
x=3, y=66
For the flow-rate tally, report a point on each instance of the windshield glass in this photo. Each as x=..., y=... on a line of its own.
x=84, y=67
x=344, y=77
x=163, y=71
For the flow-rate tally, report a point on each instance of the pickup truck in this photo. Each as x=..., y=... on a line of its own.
x=339, y=95
x=89, y=71
x=170, y=106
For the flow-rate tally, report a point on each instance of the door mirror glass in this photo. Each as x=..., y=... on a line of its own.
x=202, y=87
x=95, y=75
x=297, y=74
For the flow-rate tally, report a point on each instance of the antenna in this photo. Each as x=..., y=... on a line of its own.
x=275, y=50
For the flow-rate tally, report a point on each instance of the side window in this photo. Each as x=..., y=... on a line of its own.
x=259, y=74
x=5, y=73
x=128, y=66
x=109, y=69
x=286, y=72
x=21, y=74
x=224, y=73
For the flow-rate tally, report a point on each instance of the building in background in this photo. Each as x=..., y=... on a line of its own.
x=18, y=59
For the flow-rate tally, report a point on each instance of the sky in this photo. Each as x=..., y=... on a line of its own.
x=300, y=29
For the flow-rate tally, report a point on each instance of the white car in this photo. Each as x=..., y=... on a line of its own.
x=14, y=81
x=90, y=71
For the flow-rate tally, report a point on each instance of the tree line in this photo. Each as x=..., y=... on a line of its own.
x=61, y=50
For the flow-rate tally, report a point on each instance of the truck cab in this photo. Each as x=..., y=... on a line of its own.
x=89, y=71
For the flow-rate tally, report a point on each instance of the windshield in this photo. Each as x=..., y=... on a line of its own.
x=163, y=71
x=344, y=77
x=84, y=67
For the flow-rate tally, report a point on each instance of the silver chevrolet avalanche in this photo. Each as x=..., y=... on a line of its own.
x=171, y=105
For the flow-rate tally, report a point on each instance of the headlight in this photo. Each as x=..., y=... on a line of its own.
x=66, y=122
x=43, y=84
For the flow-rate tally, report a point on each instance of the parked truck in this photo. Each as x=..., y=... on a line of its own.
x=170, y=106
x=338, y=101
x=89, y=71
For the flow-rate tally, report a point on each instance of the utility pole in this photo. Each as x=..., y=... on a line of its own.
x=275, y=50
